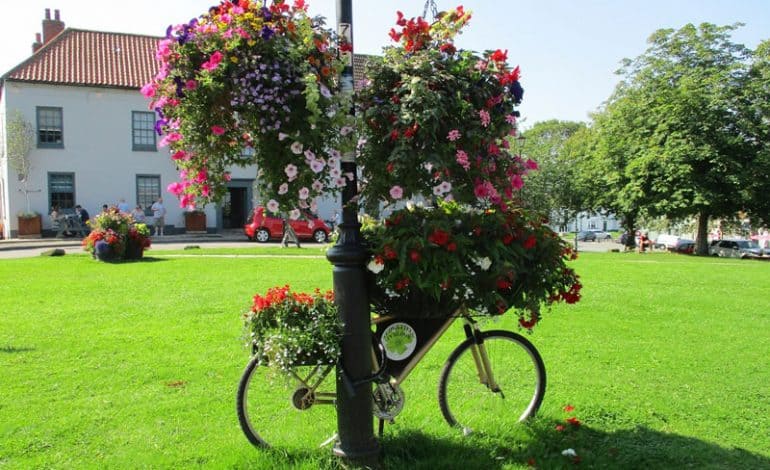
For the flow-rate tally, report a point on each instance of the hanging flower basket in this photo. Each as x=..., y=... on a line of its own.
x=287, y=329
x=428, y=262
x=440, y=122
x=248, y=83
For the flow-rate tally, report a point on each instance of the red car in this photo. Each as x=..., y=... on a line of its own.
x=264, y=227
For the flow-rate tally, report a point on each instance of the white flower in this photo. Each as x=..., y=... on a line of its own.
x=375, y=267
x=296, y=148
x=569, y=453
x=484, y=263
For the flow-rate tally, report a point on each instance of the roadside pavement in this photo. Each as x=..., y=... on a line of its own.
x=18, y=248
x=21, y=248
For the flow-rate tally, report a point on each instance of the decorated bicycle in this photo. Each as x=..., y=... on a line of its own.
x=435, y=125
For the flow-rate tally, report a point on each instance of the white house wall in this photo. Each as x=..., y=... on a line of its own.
x=97, y=136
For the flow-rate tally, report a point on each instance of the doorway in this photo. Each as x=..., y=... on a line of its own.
x=234, y=207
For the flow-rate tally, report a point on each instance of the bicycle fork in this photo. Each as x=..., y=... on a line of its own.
x=481, y=358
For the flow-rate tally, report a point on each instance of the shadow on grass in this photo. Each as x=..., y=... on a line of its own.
x=640, y=447
x=14, y=349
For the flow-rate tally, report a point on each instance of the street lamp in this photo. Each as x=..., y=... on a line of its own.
x=355, y=421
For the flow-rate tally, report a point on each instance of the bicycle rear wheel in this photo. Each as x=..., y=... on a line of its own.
x=287, y=412
x=518, y=371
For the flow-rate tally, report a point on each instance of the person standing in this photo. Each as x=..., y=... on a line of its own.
x=138, y=214
x=123, y=206
x=289, y=235
x=159, y=214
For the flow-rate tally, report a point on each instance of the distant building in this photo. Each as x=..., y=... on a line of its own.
x=94, y=136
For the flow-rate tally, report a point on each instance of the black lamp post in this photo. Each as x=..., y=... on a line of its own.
x=355, y=421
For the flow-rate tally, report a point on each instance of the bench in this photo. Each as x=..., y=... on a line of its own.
x=69, y=223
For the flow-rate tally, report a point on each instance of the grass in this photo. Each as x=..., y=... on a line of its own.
x=136, y=365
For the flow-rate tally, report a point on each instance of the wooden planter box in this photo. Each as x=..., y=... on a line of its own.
x=30, y=227
x=195, y=222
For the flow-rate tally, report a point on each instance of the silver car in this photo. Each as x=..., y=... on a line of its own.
x=737, y=249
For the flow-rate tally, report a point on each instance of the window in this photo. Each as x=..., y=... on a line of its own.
x=61, y=190
x=50, y=133
x=147, y=191
x=143, y=130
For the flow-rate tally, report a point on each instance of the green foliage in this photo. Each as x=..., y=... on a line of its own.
x=555, y=189
x=431, y=261
x=287, y=329
x=672, y=137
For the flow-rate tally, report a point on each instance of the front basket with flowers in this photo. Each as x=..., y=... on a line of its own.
x=115, y=236
x=430, y=262
x=250, y=82
x=286, y=329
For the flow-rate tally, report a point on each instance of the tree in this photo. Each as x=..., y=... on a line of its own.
x=672, y=135
x=20, y=139
x=553, y=189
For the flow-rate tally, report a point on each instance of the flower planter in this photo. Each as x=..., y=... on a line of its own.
x=195, y=222
x=30, y=227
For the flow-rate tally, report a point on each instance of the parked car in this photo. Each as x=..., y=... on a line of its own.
x=601, y=235
x=685, y=246
x=666, y=242
x=737, y=249
x=263, y=228
x=586, y=236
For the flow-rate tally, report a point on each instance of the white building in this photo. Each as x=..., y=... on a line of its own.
x=94, y=136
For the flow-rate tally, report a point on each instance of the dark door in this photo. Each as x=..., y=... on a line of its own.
x=234, y=208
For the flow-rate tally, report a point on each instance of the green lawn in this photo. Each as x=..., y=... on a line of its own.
x=136, y=365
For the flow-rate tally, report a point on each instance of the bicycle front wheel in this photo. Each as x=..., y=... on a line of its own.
x=287, y=412
x=476, y=401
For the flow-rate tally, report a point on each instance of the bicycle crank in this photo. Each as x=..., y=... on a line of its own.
x=388, y=401
x=303, y=398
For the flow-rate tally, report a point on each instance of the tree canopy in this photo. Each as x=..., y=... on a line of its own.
x=679, y=136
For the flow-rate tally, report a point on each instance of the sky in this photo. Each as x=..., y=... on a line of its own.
x=568, y=50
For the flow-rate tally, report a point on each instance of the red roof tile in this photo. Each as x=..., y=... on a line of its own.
x=91, y=58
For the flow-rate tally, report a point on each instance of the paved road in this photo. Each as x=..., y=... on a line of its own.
x=28, y=248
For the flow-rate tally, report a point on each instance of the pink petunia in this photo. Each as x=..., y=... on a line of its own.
x=317, y=186
x=484, y=116
x=272, y=205
x=317, y=166
x=396, y=192
x=517, y=182
x=213, y=61
x=217, y=130
x=148, y=90
x=531, y=164
x=309, y=154
x=453, y=135
x=291, y=171
x=179, y=155
x=296, y=148
x=283, y=189
x=175, y=188
x=294, y=214
x=304, y=193
x=462, y=159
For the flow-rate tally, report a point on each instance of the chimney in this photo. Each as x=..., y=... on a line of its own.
x=51, y=27
x=37, y=44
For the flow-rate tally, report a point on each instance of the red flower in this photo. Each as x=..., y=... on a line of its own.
x=394, y=35
x=507, y=239
x=439, y=237
x=414, y=255
x=389, y=252
x=574, y=421
x=395, y=99
x=530, y=242
x=448, y=48
x=346, y=47
x=389, y=167
x=503, y=284
x=402, y=284
x=569, y=408
x=499, y=56
x=394, y=134
x=451, y=247
x=560, y=427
